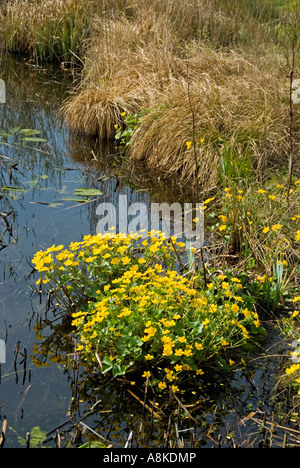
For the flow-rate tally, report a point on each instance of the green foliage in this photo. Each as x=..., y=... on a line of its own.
x=92, y=445
x=37, y=436
x=133, y=312
x=128, y=128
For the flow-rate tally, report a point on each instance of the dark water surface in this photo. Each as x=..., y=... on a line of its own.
x=39, y=215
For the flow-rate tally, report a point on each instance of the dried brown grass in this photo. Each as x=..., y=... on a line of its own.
x=138, y=58
x=125, y=70
x=233, y=101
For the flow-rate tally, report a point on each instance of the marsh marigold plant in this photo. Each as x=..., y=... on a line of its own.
x=134, y=312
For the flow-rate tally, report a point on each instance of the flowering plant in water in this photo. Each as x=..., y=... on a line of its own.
x=132, y=311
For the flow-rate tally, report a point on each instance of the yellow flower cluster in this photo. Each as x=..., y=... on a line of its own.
x=142, y=313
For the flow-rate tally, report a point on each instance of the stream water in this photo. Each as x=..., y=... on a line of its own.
x=38, y=182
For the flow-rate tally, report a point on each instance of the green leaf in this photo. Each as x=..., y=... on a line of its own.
x=88, y=192
x=29, y=131
x=106, y=365
x=8, y=188
x=92, y=445
x=117, y=370
x=35, y=139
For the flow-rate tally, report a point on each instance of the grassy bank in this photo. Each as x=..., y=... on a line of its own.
x=210, y=72
x=207, y=73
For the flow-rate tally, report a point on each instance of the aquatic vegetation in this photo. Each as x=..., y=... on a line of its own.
x=134, y=314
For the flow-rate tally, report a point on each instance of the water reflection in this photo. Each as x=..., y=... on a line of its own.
x=38, y=181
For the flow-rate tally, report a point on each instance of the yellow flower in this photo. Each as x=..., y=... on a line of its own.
x=262, y=191
x=297, y=236
x=162, y=385
x=188, y=144
x=236, y=280
x=221, y=228
x=169, y=375
x=208, y=200
x=231, y=362
x=181, y=339
x=261, y=278
x=222, y=277
x=266, y=229
x=235, y=308
x=146, y=374
x=246, y=312
x=125, y=260
x=148, y=357
x=223, y=218
x=178, y=368
x=276, y=227
x=175, y=388
x=198, y=346
x=292, y=369
x=296, y=299
x=272, y=197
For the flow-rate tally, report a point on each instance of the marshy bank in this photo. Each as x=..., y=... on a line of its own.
x=210, y=73
x=192, y=95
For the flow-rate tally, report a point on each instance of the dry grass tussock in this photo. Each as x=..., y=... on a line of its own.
x=143, y=60
x=125, y=70
x=232, y=100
